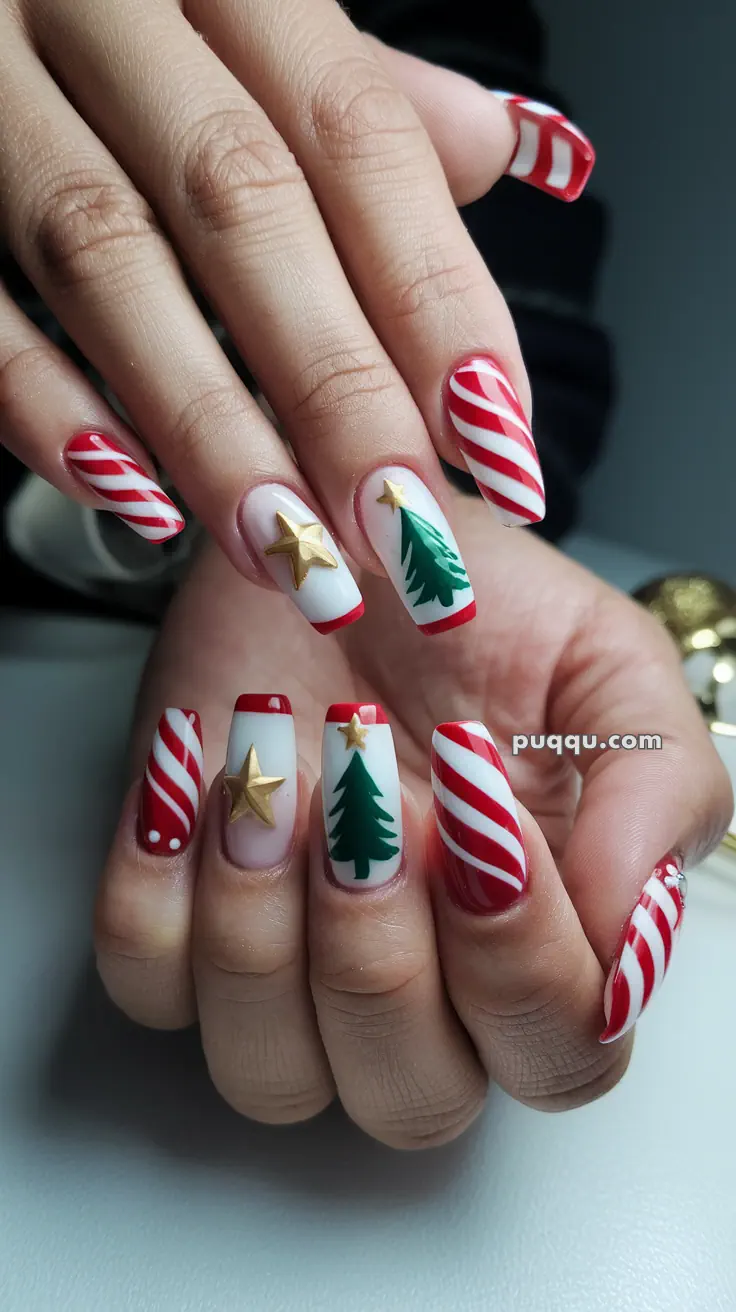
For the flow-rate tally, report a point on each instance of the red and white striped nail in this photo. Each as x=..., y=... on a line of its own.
x=172, y=784
x=645, y=949
x=477, y=819
x=551, y=152
x=260, y=783
x=496, y=441
x=124, y=487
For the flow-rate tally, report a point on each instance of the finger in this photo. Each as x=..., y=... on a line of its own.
x=144, y=905
x=240, y=209
x=521, y=974
x=404, y=1069
x=92, y=247
x=259, y=1030
x=643, y=813
x=384, y=195
x=52, y=419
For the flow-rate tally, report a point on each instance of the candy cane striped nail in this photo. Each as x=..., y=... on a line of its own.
x=172, y=784
x=646, y=949
x=124, y=487
x=260, y=783
x=551, y=153
x=477, y=820
x=495, y=439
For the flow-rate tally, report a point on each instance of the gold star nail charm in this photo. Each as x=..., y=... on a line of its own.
x=393, y=495
x=354, y=731
x=250, y=791
x=302, y=543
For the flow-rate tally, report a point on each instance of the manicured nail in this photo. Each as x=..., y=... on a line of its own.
x=645, y=948
x=361, y=795
x=416, y=547
x=495, y=439
x=124, y=487
x=172, y=784
x=301, y=556
x=475, y=811
x=551, y=153
x=260, y=783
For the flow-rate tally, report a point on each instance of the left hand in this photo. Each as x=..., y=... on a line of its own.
x=398, y=999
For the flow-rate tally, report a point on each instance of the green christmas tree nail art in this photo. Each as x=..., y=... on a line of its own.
x=433, y=569
x=361, y=795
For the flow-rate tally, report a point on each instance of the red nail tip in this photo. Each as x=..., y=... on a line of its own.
x=645, y=948
x=450, y=621
x=331, y=626
x=367, y=713
x=124, y=487
x=264, y=703
x=477, y=821
x=491, y=430
x=552, y=154
x=172, y=784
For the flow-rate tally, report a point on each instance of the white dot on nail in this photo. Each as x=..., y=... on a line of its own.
x=672, y=870
x=153, y=835
x=174, y=844
x=274, y=703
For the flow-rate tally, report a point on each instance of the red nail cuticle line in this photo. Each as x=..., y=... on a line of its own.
x=477, y=820
x=495, y=439
x=551, y=154
x=124, y=487
x=172, y=784
x=645, y=949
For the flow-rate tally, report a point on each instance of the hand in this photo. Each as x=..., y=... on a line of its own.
x=406, y=997
x=299, y=171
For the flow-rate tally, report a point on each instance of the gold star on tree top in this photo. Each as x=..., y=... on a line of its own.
x=302, y=543
x=250, y=791
x=393, y=495
x=354, y=732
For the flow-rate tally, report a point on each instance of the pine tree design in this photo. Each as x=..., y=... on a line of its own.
x=360, y=834
x=432, y=568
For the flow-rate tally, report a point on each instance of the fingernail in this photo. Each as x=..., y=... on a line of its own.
x=260, y=783
x=124, y=487
x=172, y=784
x=645, y=949
x=475, y=812
x=361, y=795
x=415, y=544
x=551, y=153
x=301, y=556
x=495, y=439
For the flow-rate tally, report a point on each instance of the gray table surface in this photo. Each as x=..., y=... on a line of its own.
x=126, y=1185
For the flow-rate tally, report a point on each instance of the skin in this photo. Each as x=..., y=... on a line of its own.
x=393, y=999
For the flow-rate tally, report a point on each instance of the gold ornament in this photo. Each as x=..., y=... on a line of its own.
x=250, y=791
x=354, y=731
x=302, y=543
x=393, y=495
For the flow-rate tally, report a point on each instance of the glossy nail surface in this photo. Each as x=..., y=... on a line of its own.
x=301, y=556
x=123, y=487
x=477, y=819
x=551, y=153
x=260, y=784
x=491, y=430
x=645, y=951
x=172, y=783
x=361, y=795
x=415, y=544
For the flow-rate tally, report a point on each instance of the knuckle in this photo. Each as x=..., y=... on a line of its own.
x=343, y=385
x=435, y=281
x=384, y=979
x=235, y=167
x=281, y=1104
x=24, y=372
x=81, y=223
x=572, y=1083
x=213, y=409
x=240, y=963
x=432, y=1121
x=355, y=113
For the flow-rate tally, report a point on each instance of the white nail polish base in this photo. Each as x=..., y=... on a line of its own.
x=378, y=756
x=249, y=842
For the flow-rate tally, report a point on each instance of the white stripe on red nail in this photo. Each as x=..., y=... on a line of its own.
x=124, y=487
x=551, y=153
x=647, y=942
x=495, y=439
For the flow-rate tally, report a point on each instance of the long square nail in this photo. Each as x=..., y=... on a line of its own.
x=172, y=784
x=124, y=487
x=551, y=154
x=361, y=795
x=415, y=544
x=260, y=783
